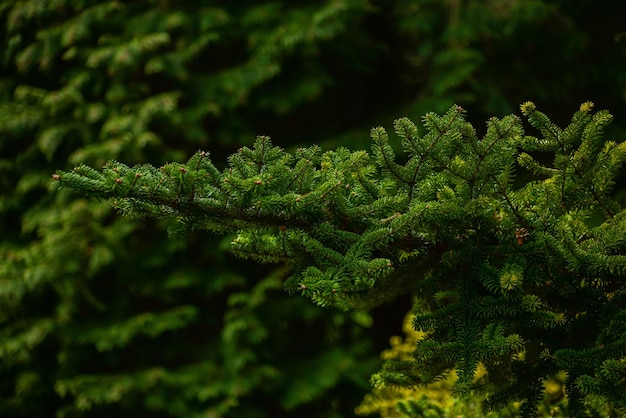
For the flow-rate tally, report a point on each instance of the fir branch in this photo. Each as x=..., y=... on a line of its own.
x=502, y=275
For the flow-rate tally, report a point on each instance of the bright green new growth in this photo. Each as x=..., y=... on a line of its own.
x=526, y=279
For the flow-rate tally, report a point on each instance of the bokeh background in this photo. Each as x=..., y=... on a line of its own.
x=105, y=316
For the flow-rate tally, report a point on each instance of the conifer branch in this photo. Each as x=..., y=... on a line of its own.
x=503, y=276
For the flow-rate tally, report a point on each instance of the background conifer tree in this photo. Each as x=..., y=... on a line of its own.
x=86, y=296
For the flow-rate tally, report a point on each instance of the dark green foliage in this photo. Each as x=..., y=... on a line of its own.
x=101, y=315
x=526, y=279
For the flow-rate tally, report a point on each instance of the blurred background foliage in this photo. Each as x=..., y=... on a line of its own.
x=103, y=315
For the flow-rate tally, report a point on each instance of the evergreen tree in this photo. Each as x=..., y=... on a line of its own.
x=102, y=316
x=525, y=279
x=85, y=297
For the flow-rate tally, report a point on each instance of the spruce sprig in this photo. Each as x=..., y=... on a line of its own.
x=527, y=280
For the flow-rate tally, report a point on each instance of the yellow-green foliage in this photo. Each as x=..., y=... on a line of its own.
x=384, y=399
x=387, y=400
